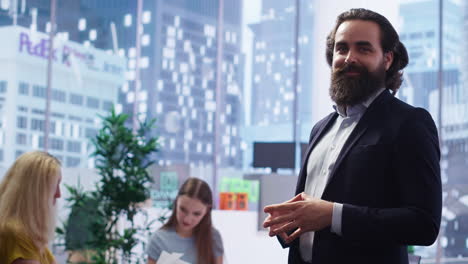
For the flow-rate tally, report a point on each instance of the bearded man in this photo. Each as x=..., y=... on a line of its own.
x=370, y=184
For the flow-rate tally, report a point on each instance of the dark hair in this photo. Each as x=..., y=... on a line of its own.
x=203, y=235
x=388, y=38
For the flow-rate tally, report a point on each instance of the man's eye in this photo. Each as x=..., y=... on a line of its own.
x=340, y=49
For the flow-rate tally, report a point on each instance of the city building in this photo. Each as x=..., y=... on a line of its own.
x=274, y=64
x=177, y=67
x=85, y=84
x=273, y=70
x=420, y=34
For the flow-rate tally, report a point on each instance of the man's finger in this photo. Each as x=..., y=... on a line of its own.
x=296, y=198
x=268, y=219
x=283, y=235
x=271, y=233
x=304, y=196
x=280, y=207
x=270, y=208
x=294, y=235
x=285, y=228
x=282, y=219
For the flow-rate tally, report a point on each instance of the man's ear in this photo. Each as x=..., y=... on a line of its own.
x=388, y=59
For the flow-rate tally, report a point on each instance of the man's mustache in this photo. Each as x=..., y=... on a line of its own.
x=350, y=68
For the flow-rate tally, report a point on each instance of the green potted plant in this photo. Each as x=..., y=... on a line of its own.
x=122, y=158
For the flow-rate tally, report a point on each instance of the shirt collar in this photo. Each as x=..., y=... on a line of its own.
x=349, y=111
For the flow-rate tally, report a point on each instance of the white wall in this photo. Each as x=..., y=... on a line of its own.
x=243, y=243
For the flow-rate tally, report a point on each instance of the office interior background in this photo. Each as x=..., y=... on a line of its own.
x=220, y=77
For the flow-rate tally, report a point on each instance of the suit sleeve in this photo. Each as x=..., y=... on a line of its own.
x=416, y=171
x=282, y=243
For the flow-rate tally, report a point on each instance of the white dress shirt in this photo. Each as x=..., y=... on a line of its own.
x=322, y=160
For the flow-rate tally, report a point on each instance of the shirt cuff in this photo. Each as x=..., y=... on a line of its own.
x=336, y=218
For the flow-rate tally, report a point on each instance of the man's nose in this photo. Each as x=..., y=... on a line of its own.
x=351, y=58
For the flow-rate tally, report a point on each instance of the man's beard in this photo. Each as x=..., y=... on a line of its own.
x=349, y=91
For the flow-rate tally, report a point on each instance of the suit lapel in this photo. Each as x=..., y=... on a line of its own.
x=358, y=131
x=327, y=122
x=370, y=117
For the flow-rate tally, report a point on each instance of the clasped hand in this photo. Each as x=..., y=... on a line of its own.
x=302, y=213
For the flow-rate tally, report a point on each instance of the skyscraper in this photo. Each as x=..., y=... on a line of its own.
x=184, y=93
x=273, y=74
x=86, y=83
x=177, y=68
x=420, y=34
x=274, y=62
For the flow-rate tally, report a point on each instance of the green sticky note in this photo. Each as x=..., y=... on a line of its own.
x=225, y=184
x=254, y=191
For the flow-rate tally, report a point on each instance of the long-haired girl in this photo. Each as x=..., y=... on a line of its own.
x=189, y=229
x=28, y=195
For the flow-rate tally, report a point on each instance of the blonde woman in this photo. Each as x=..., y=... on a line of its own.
x=28, y=195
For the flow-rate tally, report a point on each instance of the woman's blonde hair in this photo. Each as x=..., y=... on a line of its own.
x=26, y=196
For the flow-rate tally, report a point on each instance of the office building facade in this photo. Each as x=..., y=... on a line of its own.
x=178, y=68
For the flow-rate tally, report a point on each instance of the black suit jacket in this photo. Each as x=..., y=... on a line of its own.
x=387, y=175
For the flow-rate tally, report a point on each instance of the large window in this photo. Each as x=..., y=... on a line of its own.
x=262, y=78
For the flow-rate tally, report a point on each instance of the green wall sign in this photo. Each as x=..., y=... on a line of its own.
x=251, y=187
x=168, y=188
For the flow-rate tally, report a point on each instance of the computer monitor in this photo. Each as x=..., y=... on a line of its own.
x=274, y=155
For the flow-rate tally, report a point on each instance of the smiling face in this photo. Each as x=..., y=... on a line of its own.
x=189, y=213
x=359, y=63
